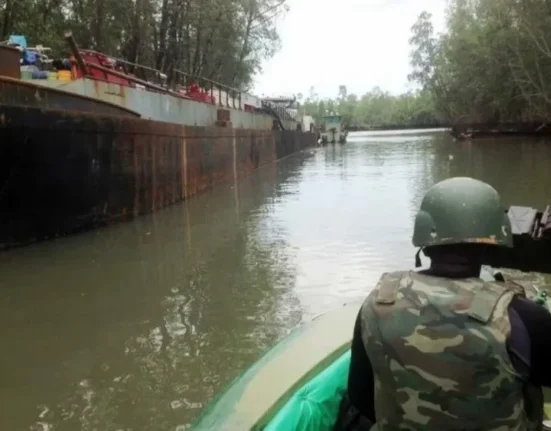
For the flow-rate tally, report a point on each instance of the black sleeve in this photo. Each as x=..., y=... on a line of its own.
x=361, y=384
x=537, y=321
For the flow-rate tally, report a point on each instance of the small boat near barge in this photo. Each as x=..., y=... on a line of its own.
x=332, y=130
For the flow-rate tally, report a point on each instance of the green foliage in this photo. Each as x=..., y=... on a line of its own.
x=224, y=40
x=375, y=109
x=492, y=64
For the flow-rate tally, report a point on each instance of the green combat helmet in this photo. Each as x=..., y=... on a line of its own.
x=462, y=210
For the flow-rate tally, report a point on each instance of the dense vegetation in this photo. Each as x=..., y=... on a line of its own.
x=492, y=64
x=224, y=40
x=375, y=109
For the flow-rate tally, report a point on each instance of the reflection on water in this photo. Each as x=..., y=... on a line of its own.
x=136, y=326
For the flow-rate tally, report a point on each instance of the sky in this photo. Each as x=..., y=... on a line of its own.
x=357, y=43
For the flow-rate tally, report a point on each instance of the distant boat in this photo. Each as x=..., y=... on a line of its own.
x=332, y=130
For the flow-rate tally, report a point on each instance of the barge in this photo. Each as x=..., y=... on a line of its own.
x=112, y=140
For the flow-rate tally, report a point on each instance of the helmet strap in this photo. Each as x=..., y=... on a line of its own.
x=418, y=258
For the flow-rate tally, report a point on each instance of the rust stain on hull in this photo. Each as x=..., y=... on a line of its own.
x=61, y=172
x=15, y=92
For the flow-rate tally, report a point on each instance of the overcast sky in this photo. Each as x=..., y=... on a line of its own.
x=357, y=43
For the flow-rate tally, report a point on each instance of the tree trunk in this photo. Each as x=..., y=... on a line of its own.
x=163, y=27
x=244, y=47
x=99, y=24
x=6, y=25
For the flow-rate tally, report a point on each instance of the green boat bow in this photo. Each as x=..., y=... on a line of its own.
x=289, y=378
x=298, y=385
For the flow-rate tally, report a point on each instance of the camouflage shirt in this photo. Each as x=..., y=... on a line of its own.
x=439, y=355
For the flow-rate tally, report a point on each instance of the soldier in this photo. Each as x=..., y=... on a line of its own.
x=441, y=349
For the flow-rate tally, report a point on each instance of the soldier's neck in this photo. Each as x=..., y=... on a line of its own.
x=454, y=269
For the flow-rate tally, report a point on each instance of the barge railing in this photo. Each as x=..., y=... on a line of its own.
x=181, y=84
x=185, y=80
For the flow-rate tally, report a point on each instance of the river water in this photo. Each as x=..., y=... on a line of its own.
x=136, y=326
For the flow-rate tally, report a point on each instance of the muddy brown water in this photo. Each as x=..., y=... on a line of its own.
x=136, y=326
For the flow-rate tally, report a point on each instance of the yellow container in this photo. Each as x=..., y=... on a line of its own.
x=52, y=76
x=64, y=75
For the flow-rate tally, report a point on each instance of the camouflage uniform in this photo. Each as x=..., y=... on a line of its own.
x=437, y=345
x=439, y=355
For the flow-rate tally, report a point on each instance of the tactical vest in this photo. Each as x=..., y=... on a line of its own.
x=439, y=356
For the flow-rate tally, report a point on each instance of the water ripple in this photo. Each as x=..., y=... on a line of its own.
x=137, y=326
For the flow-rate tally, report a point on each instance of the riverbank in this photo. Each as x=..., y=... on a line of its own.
x=490, y=130
x=395, y=127
x=472, y=130
x=61, y=173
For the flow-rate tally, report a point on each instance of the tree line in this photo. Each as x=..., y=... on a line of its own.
x=222, y=40
x=491, y=65
x=375, y=109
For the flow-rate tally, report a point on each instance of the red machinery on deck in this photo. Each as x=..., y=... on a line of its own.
x=93, y=59
x=100, y=66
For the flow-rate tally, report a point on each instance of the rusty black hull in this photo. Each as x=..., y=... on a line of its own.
x=62, y=172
